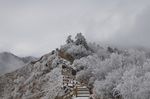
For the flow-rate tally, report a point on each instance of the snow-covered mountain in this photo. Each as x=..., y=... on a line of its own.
x=39, y=79
x=10, y=62
x=109, y=73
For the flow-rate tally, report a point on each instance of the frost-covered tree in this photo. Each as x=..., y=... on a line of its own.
x=104, y=89
x=78, y=51
x=94, y=47
x=135, y=83
x=99, y=50
x=102, y=53
x=116, y=61
x=136, y=57
x=69, y=40
x=89, y=62
x=80, y=40
x=130, y=84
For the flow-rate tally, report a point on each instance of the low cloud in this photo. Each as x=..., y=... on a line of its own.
x=136, y=33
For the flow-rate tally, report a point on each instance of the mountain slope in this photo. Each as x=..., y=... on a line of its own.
x=10, y=62
x=39, y=79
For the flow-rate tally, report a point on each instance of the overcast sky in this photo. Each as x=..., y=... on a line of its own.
x=35, y=27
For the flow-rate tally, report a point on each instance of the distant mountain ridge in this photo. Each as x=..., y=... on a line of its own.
x=10, y=62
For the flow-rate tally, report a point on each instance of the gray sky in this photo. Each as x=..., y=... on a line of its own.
x=35, y=27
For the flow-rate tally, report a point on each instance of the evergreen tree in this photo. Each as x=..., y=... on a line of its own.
x=80, y=40
x=69, y=40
